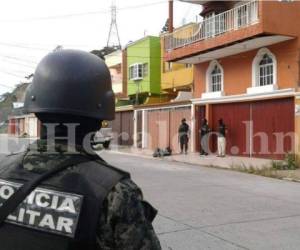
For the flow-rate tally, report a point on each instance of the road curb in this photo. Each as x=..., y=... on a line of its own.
x=195, y=164
x=167, y=159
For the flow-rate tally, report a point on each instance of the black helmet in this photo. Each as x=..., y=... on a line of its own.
x=71, y=82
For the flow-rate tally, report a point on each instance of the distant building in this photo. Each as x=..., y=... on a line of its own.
x=143, y=68
x=115, y=63
x=176, y=77
x=245, y=56
x=156, y=124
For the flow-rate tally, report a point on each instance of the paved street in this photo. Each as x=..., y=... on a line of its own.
x=206, y=208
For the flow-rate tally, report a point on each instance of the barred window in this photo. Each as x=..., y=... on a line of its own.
x=138, y=71
x=216, y=79
x=266, y=71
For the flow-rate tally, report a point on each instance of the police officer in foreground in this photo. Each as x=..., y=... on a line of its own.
x=75, y=200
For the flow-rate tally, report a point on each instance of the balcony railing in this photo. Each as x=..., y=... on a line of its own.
x=215, y=25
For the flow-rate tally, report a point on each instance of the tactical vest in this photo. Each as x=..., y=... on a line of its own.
x=62, y=213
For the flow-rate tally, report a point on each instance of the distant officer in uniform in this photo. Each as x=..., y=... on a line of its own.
x=222, y=138
x=204, y=137
x=183, y=132
x=75, y=200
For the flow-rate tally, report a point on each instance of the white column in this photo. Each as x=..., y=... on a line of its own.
x=27, y=124
x=144, y=129
x=135, y=120
x=193, y=128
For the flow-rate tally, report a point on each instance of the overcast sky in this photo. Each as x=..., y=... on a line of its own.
x=32, y=28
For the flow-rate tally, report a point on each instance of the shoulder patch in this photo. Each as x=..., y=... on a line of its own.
x=44, y=209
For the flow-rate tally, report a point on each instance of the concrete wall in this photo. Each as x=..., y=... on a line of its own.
x=281, y=17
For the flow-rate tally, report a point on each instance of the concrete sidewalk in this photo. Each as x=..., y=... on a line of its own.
x=195, y=159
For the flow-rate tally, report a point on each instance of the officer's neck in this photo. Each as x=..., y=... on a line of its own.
x=66, y=128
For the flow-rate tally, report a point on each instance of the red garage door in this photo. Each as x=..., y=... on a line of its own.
x=260, y=129
x=235, y=116
x=274, y=119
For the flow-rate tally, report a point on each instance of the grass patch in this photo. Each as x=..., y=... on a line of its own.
x=287, y=169
x=266, y=171
x=290, y=162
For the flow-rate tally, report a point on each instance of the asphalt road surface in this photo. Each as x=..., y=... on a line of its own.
x=206, y=208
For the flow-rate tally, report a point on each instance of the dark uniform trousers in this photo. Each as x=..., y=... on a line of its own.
x=91, y=180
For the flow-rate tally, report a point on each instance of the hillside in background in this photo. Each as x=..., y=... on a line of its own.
x=6, y=104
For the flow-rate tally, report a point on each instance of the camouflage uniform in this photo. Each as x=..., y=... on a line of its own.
x=125, y=221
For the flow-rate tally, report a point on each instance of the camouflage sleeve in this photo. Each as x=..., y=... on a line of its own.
x=125, y=222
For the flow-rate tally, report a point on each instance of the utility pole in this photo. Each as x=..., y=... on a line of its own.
x=137, y=102
x=171, y=16
x=113, y=35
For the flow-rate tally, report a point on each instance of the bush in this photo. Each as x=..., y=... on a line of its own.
x=290, y=162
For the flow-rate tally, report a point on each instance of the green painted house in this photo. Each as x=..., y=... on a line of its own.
x=143, y=64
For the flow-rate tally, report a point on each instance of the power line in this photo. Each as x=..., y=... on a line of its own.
x=55, y=16
x=52, y=45
x=6, y=86
x=12, y=74
x=22, y=72
x=17, y=63
x=63, y=16
x=18, y=59
x=142, y=5
x=23, y=47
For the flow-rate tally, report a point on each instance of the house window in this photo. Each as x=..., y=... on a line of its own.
x=266, y=71
x=216, y=79
x=188, y=65
x=209, y=24
x=137, y=71
x=214, y=24
x=242, y=15
x=219, y=24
